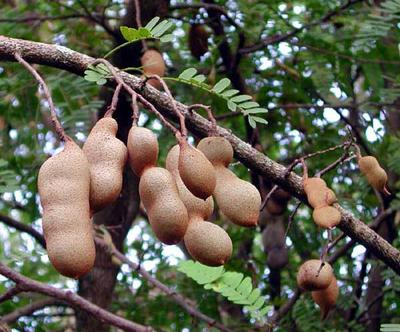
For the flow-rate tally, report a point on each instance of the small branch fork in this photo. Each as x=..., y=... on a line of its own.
x=56, y=123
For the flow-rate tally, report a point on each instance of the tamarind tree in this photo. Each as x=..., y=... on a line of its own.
x=299, y=89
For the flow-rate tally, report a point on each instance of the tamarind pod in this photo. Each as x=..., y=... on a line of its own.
x=326, y=216
x=64, y=188
x=326, y=298
x=142, y=149
x=321, y=197
x=153, y=64
x=196, y=171
x=208, y=243
x=375, y=174
x=107, y=157
x=198, y=40
x=167, y=214
x=195, y=206
x=239, y=200
x=312, y=276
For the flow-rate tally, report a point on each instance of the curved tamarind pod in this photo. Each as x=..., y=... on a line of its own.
x=196, y=171
x=327, y=216
x=326, y=298
x=206, y=242
x=239, y=200
x=167, y=214
x=153, y=64
x=64, y=187
x=107, y=157
x=375, y=174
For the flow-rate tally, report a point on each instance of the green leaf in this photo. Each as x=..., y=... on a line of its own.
x=265, y=310
x=129, y=34
x=167, y=38
x=255, y=110
x=232, y=106
x=249, y=104
x=101, y=81
x=260, y=120
x=255, y=294
x=187, y=74
x=233, y=279
x=199, y=78
x=152, y=23
x=230, y=93
x=241, y=98
x=202, y=274
x=245, y=287
x=144, y=33
x=257, y=305
x=221, y=85
x=161, y=28
x=252, y=122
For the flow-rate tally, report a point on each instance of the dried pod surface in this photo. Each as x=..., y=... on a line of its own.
x=374, y=173
x=196, y=207
x=64, y=187
x=311, y=184
x=167, y=214
x=208, y=243
x=196, y=171
x=311, y=276
x=326, y=216
x=107, y=157
x=142, y=149
x=153, y=64
x=239, y=200
x=198, y=40
x=326, y=298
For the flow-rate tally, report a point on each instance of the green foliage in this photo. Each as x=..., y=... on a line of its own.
x=235, y=101
x=153, y=29
x=377, y=26
x=98, y=73
x=8, y=178
x=390, y=328
x=232, y=285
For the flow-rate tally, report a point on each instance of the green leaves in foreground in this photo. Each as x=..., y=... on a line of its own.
x=390, y=328
x=232, y=285
x=235, y=101
x=98, y=74
x=153, y=29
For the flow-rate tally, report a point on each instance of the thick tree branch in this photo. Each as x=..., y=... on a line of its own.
x=64, y=58
x=27, y=284
x=23, y=228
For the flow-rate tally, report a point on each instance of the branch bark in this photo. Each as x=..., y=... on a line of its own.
x=64, y=58
x=72, y=299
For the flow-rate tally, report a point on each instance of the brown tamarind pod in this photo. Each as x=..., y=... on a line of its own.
x=208, y=243
x=198, y=40
x=314, y=275
x=196, y=207
x=326, y=216
x=326, y=298
x=275, y=207
x=311, y=184
x=281, y=195
x=321, y=197
x=142, y=149
x=64, y=188
x=374, y=173
x=167, y=214
x=238, y=200
x=107, y=157
x=196, y=171
x=153, y=64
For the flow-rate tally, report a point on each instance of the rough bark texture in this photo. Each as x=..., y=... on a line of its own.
x=64, y=58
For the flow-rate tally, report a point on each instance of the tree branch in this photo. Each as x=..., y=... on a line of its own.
x=23, y=228
x=29, y=310
x=280, y=38
x=178, y=298
x=64, y=58
x=27, y=284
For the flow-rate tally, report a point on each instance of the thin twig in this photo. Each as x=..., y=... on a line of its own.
x=57, y=125
x=114, y=101
x=10, y=293
x=210, y=115
x=268, y=196
x=139, y=22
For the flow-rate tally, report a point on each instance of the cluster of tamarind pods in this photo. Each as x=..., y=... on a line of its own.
x=315, y=275
x=76, y=183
